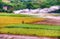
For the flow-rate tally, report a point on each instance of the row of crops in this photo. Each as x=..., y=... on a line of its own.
x=6, y=20
x=35, y=26
x=31, y=29
x=15, y=24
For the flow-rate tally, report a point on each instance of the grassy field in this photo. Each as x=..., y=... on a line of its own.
x=12, y=24
x=35, y=26
x=14, y=15
x=33, y=32
x=31, y=29
x=16, y=20
x=8, y=19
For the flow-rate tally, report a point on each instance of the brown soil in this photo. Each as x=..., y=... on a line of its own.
x=6, y=36
x=48, y=21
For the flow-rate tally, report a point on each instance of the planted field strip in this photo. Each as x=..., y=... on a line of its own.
x=31, y=29
x=14, y=15
x=32, y=26
x=6, y=20
x=32, y=32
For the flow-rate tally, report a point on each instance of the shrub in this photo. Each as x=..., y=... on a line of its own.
x=9, y=11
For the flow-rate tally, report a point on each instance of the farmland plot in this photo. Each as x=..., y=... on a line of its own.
x=16, y=24
x=6, y=20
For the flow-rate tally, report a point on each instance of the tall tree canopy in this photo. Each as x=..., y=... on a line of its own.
x=33, y=4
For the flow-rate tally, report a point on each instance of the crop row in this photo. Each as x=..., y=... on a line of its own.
x=34, y=32
x=5, y=20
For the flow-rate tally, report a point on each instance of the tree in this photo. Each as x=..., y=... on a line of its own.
x=33, y=4
x=18, y=4
x=1, y=5
x=0, y=0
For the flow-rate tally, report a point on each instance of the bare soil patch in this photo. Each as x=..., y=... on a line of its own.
x=5, y=36
x=48, y=21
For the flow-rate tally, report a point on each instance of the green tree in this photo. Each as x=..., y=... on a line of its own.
x=1, y=5
x=20, y=6
x=33, y=4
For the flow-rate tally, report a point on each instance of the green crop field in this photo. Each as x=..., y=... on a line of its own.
x=31, y=29
x=13, y=15
x=12, y=25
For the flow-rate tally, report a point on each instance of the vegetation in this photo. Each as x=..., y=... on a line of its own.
x=29, y=31
x=14, y=15
x=31, y=4
x=34, y=26
x=7, y=19
x=14, y=25
x=17, y=23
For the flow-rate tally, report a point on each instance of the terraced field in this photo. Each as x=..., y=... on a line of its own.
x=8, y=19
x=33, y=30
x=16, y=20
x=17, y=24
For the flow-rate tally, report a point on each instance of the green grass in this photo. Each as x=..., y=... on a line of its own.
x=14, y=15
x=35, y=26
x=33, y=32
x=31, y=29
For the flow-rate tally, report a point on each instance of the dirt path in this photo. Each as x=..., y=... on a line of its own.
x=5, y=36
x=48, y=21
